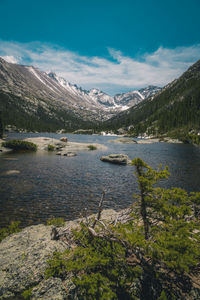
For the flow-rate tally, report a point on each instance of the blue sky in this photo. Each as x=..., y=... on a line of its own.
x=113, y=45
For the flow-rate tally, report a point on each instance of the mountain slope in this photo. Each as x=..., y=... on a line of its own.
x=175, y=110
x=44, y=100
x=33, y=85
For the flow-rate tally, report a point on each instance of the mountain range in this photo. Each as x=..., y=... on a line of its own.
x=46, y=96
x=41, y=101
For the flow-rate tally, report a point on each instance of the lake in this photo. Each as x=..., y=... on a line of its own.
x=49, y=186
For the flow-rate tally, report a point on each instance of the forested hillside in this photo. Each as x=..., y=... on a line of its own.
x=175, y=111
x=45, y=117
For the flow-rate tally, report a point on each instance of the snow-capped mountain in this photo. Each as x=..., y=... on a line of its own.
x=117, y=103
x=101, y=97
x=132, y=98
x=44, y=90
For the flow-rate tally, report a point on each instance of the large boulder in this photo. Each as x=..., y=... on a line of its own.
x=120, y=159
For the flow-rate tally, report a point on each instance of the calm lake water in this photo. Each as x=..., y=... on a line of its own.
x=54, y=186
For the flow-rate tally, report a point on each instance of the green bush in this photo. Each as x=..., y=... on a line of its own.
x=27, y=293
x=12, y=228
x=92, y=147
x=18, y=145
x=51, y=147
x=58, y=222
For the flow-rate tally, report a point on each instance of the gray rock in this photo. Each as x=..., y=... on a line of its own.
x=52, y=288
x=124, y=141
x=23, y=259
x=59, y=147
x=69, y=154
x=63, y=139
x=120, y=159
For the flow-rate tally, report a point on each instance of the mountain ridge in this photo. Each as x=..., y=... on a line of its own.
x=173, y=111
x=53, y=95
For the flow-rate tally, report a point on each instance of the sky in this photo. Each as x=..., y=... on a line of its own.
x=113, y=45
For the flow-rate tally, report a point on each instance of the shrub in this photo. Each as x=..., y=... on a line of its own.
x=12, y=228
x=56, y=222
x=51, y=147
x=18, y=145
x=92, y=147
x=27, y=293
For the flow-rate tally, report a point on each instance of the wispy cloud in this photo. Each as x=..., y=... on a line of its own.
x=117, y=74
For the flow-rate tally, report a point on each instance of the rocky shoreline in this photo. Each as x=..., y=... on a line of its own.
x=128, y=140
x=24, y=256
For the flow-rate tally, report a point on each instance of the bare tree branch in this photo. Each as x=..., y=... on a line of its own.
x=100, y=209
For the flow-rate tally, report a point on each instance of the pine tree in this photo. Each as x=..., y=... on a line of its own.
x=153, y=255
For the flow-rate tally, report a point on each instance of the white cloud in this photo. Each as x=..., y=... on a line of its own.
x=117, y=74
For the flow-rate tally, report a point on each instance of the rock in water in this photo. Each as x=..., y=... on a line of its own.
x=120, y=159
x=69, y=154
x=64, y=139
x=124, y=141
x=12, y=172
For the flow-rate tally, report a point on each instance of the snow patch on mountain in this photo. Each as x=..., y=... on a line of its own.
x=32, y=70
x=119, y=102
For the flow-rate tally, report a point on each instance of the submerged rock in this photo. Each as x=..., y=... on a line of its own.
x=68, y=154
x=12, y=172
x=120, y=159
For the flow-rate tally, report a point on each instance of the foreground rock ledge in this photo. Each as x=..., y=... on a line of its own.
x=23, y=260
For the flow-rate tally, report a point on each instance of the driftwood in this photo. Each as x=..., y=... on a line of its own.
x=99, y=210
